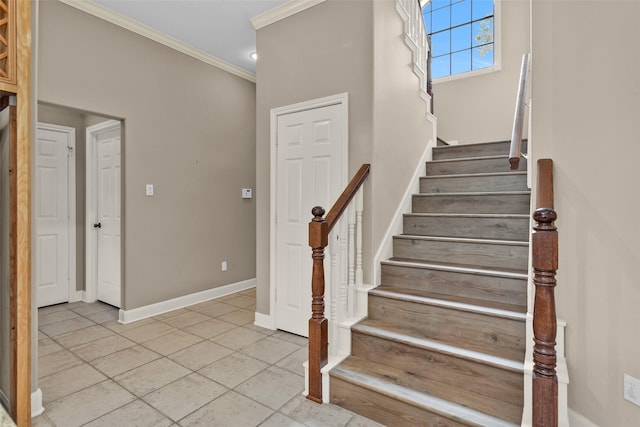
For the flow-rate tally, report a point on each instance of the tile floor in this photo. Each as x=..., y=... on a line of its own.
x=206, y=365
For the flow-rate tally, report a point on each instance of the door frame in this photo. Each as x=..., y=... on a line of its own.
x=338, y=99
x=73, y=295
x=91, y=242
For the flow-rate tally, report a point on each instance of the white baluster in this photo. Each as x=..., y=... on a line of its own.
x=352, y=264
x=334, y=280
x=359, y=207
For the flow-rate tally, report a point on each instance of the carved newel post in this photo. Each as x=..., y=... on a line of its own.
x=318, y=331
x=545, y=264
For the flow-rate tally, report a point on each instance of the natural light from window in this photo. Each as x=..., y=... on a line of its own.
x=462, y=35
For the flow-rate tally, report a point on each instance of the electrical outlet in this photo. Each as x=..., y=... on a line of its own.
x=224, y=266
x=632, y=389
x=247, y=193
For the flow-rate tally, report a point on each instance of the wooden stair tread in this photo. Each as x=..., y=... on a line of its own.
x=474, y=175
x=498, y=309
x=458, y=268
x=466, y=215
x=439, y=389
x=385, y=330
x=469, y=159
x=416, y=398
x=463, y=240
x=476, y=193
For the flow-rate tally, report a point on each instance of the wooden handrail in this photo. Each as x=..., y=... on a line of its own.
x=347, y=195
x=545, y=263
x=319, y=229
x=518, y=119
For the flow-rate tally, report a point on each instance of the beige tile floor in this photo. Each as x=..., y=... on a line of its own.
x=205, y=365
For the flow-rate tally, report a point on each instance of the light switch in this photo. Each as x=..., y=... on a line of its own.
x=247, y=193
x=149, y=190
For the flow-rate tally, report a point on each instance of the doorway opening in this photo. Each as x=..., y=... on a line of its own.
x=74, y=269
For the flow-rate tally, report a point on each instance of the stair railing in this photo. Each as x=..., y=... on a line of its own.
x=416, y=37
x=515, y=150
x=319, y=229
x=545, y=263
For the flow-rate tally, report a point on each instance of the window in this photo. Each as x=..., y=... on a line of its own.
x=462, y=35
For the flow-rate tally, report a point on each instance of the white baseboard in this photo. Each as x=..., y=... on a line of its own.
x=577, y=420
x=36, y=403
x=76, y=296
x=266, y=321
x=128, y=316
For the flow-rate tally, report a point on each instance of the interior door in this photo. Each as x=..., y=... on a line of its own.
x=8, y=240
x=107, y=149
x=310, y=146
x=53, y=154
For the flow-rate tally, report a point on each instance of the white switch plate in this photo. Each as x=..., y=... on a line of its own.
x=224, y=266
x=149, y=189
x=632, y=389
x=247, y=193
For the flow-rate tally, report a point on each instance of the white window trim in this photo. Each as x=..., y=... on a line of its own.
x=497, y=50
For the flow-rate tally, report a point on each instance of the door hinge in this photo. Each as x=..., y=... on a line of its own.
x=69, y=151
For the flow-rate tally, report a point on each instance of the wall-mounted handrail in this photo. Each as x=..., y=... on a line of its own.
x=545, y=263
x=518, y=119
x=319, y=229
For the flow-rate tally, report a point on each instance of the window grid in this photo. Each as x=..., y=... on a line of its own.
x=450, y=52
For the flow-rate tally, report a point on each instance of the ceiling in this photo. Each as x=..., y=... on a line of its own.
x=220, y=28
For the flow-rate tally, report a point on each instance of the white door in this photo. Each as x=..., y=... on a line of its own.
x=107, y=208
x=310, y=172
x=54, y=229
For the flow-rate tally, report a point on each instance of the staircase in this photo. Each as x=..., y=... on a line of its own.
x=444, y=341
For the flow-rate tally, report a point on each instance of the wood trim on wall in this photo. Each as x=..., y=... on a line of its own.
x=23, y=218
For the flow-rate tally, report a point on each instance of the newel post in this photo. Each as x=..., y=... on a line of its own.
x=545, y=264
x=318, y=338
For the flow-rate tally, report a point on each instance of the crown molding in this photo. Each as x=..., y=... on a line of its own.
x=115, y=18
x=283, y=11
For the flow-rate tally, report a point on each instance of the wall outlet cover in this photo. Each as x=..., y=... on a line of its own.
x=247, y=193
x=632, y=389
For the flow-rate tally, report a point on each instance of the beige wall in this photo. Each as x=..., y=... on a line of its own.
x=355, y=47
x=325, y=50
x=189, y=130
x=401, y=129
x=585, y=112
x=480, y=108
